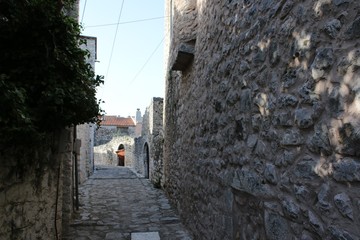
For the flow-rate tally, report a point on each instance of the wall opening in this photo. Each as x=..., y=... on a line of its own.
x=146, y=160
x=121, y=155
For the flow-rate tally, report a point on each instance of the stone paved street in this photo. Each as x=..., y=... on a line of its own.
x=115, y=203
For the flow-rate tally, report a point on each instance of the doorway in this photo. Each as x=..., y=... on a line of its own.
x=146, y=160
x=121, y=155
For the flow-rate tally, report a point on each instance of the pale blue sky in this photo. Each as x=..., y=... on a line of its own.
x=128, y=83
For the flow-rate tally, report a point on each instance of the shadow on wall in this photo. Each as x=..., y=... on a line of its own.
x=276, y=101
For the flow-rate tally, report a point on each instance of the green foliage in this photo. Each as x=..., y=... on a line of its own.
x=45, y=82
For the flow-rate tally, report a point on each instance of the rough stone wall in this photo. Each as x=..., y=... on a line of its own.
x=105, y=134
x=105, y=154
x=262, y=128
x=152, y=135
x=85, y=133
x=31, y=202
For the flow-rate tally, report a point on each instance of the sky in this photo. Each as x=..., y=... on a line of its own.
x=133, y=64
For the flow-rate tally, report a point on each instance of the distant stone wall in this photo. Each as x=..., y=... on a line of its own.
x=105, y=134
x=85, y=133
x=262, y=129
x=105, y=154
x=149, y=147
x=37, y=204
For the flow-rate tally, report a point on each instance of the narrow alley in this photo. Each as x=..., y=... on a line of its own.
x=116, y=203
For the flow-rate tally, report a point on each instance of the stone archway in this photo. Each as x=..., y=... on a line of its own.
x=146, y=158
x=121, y=155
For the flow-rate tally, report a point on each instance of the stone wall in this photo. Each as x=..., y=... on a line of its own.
x=35, y=203
x=262, y=126
x=105, y=134
x=85, y=133
x=105, y=154
x=149, y=147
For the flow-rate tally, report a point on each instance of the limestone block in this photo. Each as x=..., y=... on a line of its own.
x=339, y=2
x=306, y=236
x=323, y=60
x=248, y=181
x=287, y=27
x=251, y=141
x=319, y=142
x=292, y=138
x=336, y=103
x=244, y=67
x=291, y=209
x=343, y=66
x=286, y=9
x=337, y=233
x=343, y=204
x=270, y=173
x=256, y=121
x=355, y=57
x=346, y=170
x=303, y=118
x=284, y=119
x=353, y=31
x=301, y=192
x=287, y=100
x=315, y=223
x=289, y=78
x=332, y=27
x=274, y=53
x=276, y=227
x=287, y=158
x=350, y=139
x=307, y=93
x=259, y=57
x=305, y=169
x=324, y=197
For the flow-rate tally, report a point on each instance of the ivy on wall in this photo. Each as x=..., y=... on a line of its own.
x=45, y=82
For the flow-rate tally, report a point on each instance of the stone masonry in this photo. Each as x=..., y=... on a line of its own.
x=105, y=154
x=149, y=146
x=85, y=132
x=262, y=128
x=37, y=204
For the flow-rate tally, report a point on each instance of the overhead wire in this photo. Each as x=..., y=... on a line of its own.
x=83, y=13
x=113, y=45
x=127, y=22
x=142, y=68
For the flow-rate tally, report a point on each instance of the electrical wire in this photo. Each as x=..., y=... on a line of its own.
x=113, y=45
x=142, y=68
x=83, y=13
x=134, y=21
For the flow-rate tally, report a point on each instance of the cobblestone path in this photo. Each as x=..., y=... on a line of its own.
x=117, y=204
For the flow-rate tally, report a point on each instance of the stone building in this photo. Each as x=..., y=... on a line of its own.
x=85, y=132
x=113, y=132
x=262, y=118
x=149, y=146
